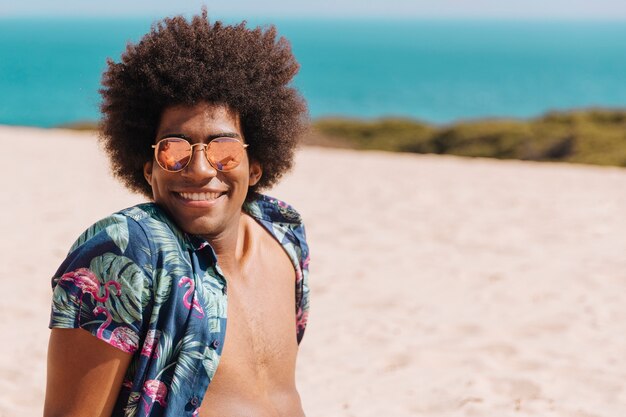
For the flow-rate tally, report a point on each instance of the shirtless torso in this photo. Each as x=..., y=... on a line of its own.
x=256, y=374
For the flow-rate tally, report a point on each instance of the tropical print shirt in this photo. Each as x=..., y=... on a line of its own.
x=139, y=283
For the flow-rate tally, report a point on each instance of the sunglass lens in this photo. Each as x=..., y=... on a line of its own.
x=173, y=154
x=225, y=154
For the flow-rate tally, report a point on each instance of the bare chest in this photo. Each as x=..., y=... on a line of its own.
x=260, y=345
x=256, y=373
x=261, y=327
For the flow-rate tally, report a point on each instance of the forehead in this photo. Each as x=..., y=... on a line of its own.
x=201, y=119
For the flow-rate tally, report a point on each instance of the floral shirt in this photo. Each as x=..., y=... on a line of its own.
x=139, y=283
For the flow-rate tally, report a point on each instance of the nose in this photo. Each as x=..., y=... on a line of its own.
x=199, y=165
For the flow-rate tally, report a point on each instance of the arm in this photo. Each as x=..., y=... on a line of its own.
x=84, y=374
x=97, y=318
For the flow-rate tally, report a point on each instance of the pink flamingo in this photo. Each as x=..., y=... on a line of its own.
x=305, y=265
x=156, y=391
x=87, y=281
x=188, y=281
x=303, y=317
x=151, y=344
x=121, y=337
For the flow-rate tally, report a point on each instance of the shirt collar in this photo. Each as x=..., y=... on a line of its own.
x=271, y=209
x=260, y=206
x=187, y=241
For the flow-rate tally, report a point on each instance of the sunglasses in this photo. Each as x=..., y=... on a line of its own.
x=174, y=154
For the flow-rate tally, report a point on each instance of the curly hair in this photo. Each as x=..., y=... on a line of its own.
x=181, y=62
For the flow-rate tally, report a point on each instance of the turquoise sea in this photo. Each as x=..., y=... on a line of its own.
x=438, y=71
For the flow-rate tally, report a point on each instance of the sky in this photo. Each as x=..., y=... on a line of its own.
x=440, y=9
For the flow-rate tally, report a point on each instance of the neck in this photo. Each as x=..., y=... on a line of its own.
x=231, y=247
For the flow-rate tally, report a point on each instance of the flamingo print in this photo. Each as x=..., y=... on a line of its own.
x=156, y=391
x=151, y=344
x=302, y=318
x=121, y=337
x=87, y=281
x=189, y=282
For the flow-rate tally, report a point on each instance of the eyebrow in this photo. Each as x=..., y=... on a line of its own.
x=209, y=137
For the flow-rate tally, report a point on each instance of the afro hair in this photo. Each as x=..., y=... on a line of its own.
x=185, y=62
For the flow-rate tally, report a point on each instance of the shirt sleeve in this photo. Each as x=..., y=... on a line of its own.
x=104, y=284
x=302, y=282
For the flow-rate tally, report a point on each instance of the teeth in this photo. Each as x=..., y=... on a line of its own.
x=200, y=196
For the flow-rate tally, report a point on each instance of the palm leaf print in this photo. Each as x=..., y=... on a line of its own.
x=209, y=291
x=214, y=324
x=131, y=407
x=168, y=242
x=161, y=289
x=183, y=356
x=64, y=308
x=164, y=360
x=156, y=219
x=134, y=283
x=185, y=370
x=116, y=219
x=174, y=263
x=210, y=361
x=118, y=232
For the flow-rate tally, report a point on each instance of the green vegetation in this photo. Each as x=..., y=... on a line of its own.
x=596, y=136
x=584, y=136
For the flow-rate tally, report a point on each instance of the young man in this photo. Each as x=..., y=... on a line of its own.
x=192, y=305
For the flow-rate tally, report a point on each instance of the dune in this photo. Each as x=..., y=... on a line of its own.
x=441, y=286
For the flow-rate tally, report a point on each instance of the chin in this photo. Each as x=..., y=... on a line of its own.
x=206, y=227
x=199, y=227
x=202, y=221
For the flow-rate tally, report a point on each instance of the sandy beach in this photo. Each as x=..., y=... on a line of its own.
x=441, y=286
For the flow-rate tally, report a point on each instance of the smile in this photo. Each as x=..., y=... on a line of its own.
x=208, y=196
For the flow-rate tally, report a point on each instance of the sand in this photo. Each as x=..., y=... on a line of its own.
x=441, y=286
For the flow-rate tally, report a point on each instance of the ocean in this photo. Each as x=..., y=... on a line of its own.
x=436, y=71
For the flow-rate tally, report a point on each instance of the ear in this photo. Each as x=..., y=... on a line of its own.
x=147, y=172
x=256, y=172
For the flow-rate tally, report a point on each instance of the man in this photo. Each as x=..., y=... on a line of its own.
x=194, y=304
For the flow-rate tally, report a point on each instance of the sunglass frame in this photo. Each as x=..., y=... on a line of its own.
x=204, y=147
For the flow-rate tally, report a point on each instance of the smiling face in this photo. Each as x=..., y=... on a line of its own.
x=200, y=199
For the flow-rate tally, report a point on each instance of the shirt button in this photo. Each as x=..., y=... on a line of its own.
x=194, y=401
x=215, y=344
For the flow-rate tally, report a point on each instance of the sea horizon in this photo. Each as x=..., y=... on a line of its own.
x=438, y=71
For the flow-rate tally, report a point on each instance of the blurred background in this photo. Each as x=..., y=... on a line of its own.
x=425, y=71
